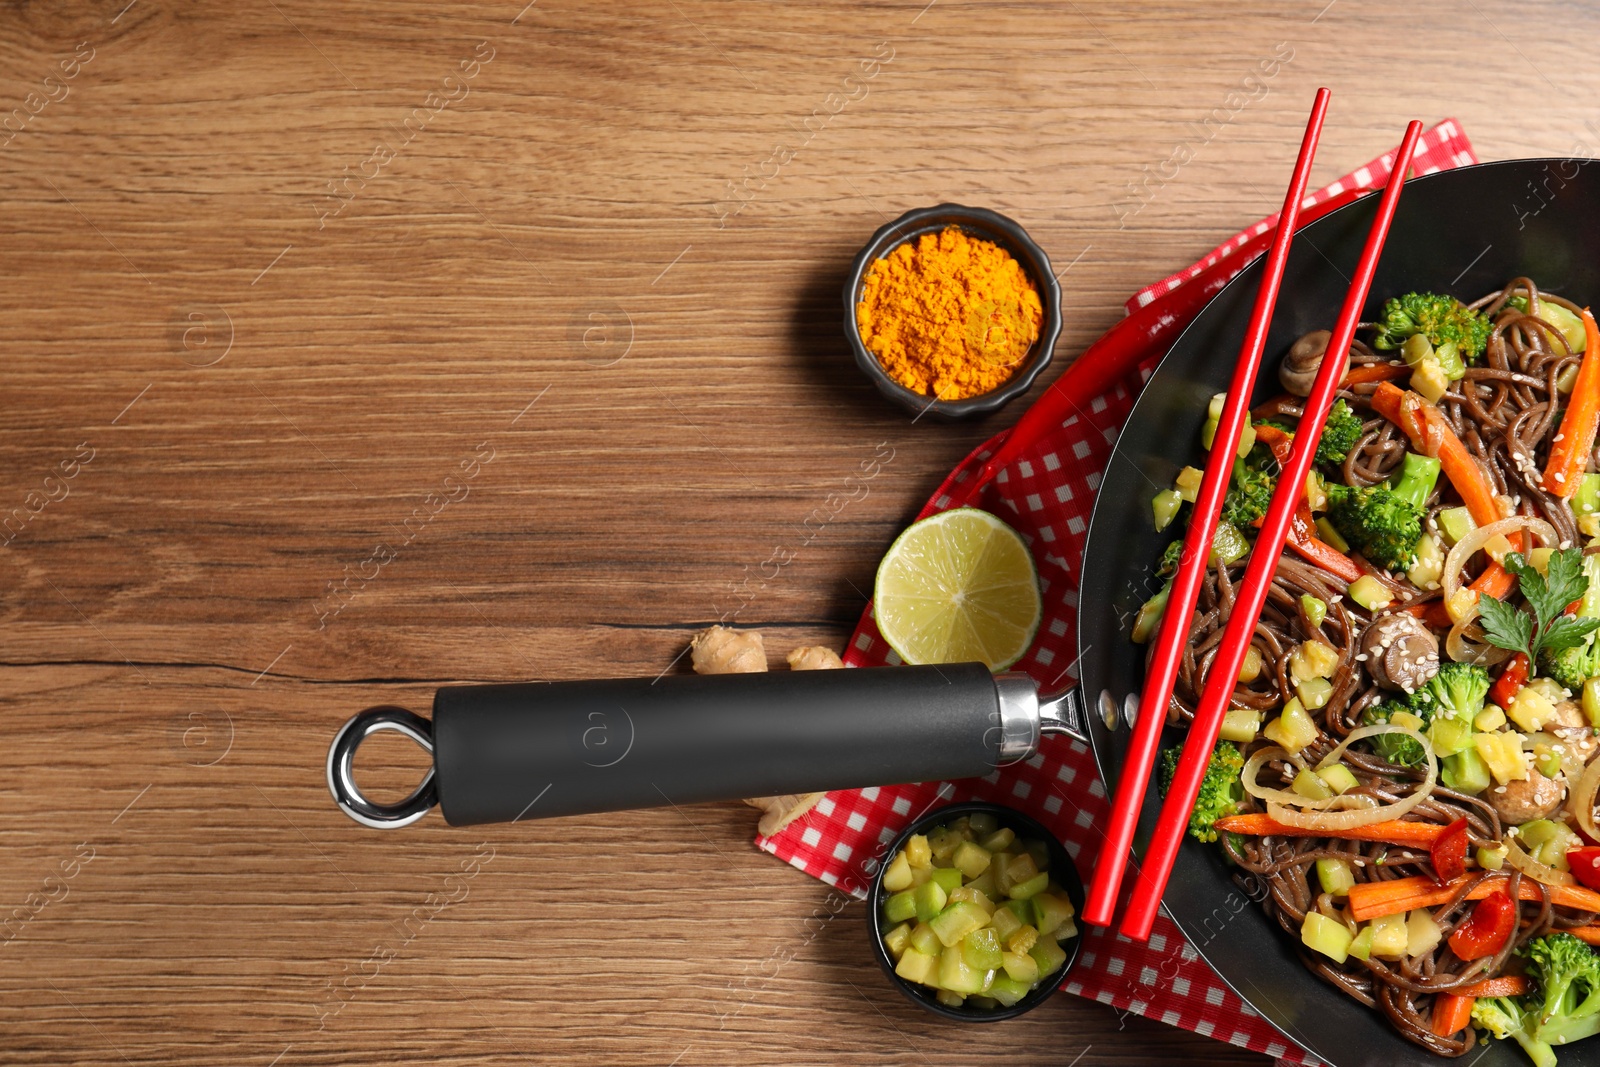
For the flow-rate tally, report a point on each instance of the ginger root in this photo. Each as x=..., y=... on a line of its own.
x=719, y=650
x=815, y=658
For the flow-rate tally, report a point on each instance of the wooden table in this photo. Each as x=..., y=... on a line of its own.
x=532, y=298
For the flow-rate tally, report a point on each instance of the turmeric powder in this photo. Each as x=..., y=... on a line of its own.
x=949, y=315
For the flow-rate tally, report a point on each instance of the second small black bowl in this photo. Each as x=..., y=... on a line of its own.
x=989, y=226
x=1062, y=871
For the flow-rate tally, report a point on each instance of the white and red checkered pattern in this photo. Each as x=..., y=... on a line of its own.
x=1047, y=495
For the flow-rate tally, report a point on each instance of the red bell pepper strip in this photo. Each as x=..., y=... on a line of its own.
x=1585, y=865
x=1450, y=852
x=1147, y=332
x=1511, y=680
x=1304, y=540
x=1487, y=929
x=1569, y=454
x=1451, y=1013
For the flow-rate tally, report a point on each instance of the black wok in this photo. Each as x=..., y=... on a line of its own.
x=512, y=752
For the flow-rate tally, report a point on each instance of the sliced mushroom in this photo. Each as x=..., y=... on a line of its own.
x=1299, y=367
x=1401, y=652
x=1570, y=727
x=1535, y=797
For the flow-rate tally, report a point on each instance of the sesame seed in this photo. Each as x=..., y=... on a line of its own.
x=1560, y=477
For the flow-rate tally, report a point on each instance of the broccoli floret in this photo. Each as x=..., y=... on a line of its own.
x=1220, y=791
x=1249, y=494
x=1339, y=434
x=1418, y=475
x=1567, y=973
x=1398, y=749
x=1456, y=692
x=1441, y=319
x=1505, y=1017
x=1383, y=526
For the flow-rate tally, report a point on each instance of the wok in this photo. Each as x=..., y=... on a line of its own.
x=535, y=750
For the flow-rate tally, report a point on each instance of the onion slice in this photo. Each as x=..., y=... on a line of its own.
x=1357, y=810
x=1517, y=856
x=1467, y=650
x=1471, y=544
x=1580, y=802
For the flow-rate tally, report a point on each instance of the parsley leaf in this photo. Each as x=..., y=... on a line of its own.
x=1548, y=594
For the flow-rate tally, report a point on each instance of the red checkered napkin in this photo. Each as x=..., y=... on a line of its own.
x=1047, y=495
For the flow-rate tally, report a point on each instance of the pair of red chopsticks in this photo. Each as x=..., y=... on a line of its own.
x=1174, y=631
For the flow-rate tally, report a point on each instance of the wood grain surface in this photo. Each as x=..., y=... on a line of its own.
x=530, y=295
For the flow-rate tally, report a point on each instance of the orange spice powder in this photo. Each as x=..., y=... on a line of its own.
x=949, y=315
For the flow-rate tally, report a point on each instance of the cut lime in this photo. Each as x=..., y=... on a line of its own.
x=958, y=587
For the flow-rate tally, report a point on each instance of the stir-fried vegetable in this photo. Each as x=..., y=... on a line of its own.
x=1570, y=450
x=1443, y=320
x=1385, y=527
x=1220, y=789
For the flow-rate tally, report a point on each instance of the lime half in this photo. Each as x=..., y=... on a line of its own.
x=957, y=587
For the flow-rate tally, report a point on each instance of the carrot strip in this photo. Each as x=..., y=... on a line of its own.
x=1432, y=435
x=1589, y=935
x=1451, y=1013
x=1373, y=900
x=1393, y=832
x=1375, y=372
x=1303, y=539
x=1507, y=985
x=1569, y=453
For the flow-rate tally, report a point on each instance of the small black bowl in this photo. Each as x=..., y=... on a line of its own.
x=1062, y=871
x=989, y=226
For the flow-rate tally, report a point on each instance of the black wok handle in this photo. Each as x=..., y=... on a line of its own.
x=535, y=750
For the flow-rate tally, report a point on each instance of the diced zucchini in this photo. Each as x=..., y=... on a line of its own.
x=1340, y=779
x=982, y=824
x=1335, y=875
x=949, y=999
x=1491, y=859
x=1490, y=719
x=1021, y=868
x=1022, y=939
x=947, y=878
x=1316, y=609
x=1502, y=751
x=1241, y=725
x=1314, y=693
x=1149, y=617
x=930, y=899
x=1422, y=933
x=1456, y=523
x=971, y=860
x=1050, y=910
x=1250, y=666
x=1066, y=931
x=897, y=939
x=1029, y=888
x=972, y=896
x=924, y=940
x=1586, y=501
x=943, y=842
x=1531, y=708
x=1322, y=934
x=1039, y=851
x=1329, y=533
x=918, y=967
x=1416, y=350
x=1539, y=559
x=1008, y=990
x=898, y=874
x=1049, y=955
x=1310, y=785
x=1361, y=946
x=920, y=875
x=957, y=921
x=1430, y=380
x=1020, y=967
x=899, y=907
x=917, y=852
x=1570, y=325
x=1450, y=736
x=1465, y=771
x=1165, y=507
x=1370, y=593
x=1208, y=432
x=1427, y=566
x=956, y=975
x=985, y=884
x=1389, y=937
x=1005, y=922
x=981, y=949
x=1591, y=701
x=1292, y=729
x=1312, y=659
x=1000, y=840
x=1187, y=483
x=1228, y=545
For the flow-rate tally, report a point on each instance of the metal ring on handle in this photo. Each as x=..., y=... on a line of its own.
x=341, y=761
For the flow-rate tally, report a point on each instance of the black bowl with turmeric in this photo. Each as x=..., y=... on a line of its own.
x=952, y=311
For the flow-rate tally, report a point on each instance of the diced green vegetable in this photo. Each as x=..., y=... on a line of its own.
x=1005, y=921
x=1008, y=990
x=1316, y=610
x=1491, y=718
x=1026, y=889
x=1050, y=910
x=1450, y=736
x=1314, y=692
x=1591, y=701
x=1149, y=617
x=930, y=898
x=1335, y=875
x=972, y=895
x=1241, y=725
x=1491, y=859
x=1165, y=507
x=924, y=940
x=1370, y=593
x=1228, y=545
x=900, y=906
x=981, y=949
x=957, y=921
x=1322, y=934
x=1456, y=523
x=1361, y=946
x=1000, y=840
x=957, y=976
x=1586, y=501
x=1339, y=778
x=1427, y=565
x=1329, y=533
x=898, y=876
x=971, y=860
x=1310, y=785
x=1020, y=967
x=982, y=824
x=1293, y=728
x=918, y=967
x=1187, y=483
x=897, y=939
x=1389, y=937
x=917, y=852
x=1422, y=932
x=1049, y=955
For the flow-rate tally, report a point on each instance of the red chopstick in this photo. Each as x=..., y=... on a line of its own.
x=1202, y=737
x=1163, y=672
